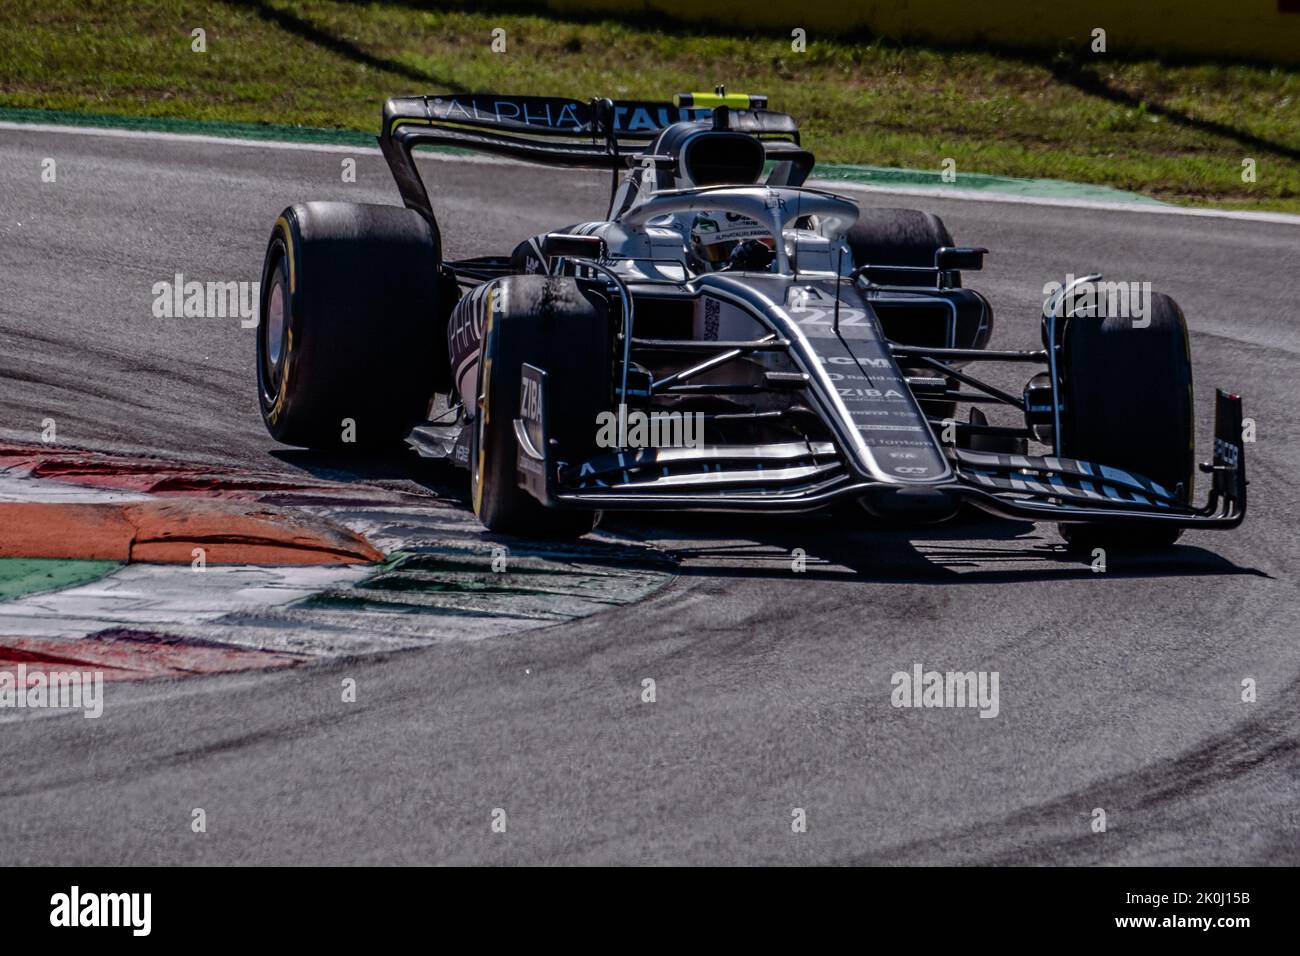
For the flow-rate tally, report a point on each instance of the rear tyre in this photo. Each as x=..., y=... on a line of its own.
x=562, y=328
x=899, y=237
x=1128, y=400
x=347, y=333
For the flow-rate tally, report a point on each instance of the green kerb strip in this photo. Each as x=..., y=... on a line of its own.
x=982, y=182
x=22, y=576
x=255, y=131
x=866, y=175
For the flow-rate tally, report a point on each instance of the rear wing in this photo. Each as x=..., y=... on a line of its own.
x=598, y=134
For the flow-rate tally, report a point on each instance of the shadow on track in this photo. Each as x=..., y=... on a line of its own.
x=841, y=545
x=402, y=468
x=837, y=545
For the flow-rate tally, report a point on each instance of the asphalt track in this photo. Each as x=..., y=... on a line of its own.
x=1118, y=690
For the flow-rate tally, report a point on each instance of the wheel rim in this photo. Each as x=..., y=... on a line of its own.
x=275, y=328
x=475, y=463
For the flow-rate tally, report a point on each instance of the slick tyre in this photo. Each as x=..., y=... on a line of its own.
x=557, y=325
x=899, y=237
x=1127, y=392
x=347, y=332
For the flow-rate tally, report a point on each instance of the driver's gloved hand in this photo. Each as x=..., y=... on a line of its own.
x=750, y=255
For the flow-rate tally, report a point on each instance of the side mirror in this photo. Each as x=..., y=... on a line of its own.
x=565, y=245
x=951, y=258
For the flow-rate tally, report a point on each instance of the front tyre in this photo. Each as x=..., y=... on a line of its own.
x=1128, y=400
x=348, y=323
x=557, y=325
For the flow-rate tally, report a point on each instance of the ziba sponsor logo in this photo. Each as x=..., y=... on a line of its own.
x=134, y=910
x=67, y=690
x=179, y=299
x=530, y=400
x=637, y=429
x=922, y=688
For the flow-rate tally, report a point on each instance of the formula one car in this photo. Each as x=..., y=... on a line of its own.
x=726, y=339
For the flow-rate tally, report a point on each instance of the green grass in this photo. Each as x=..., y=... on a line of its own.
x=1175, y=132
x=22, y=576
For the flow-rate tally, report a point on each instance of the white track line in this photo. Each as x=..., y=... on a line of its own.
x=20, y=490
x=980, y=195
x=964, y=195
x=241, y=141
x=154, y=596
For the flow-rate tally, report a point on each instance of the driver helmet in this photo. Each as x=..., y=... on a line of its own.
x=715, y=236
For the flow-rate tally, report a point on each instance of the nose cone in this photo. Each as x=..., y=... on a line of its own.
x=910, y=505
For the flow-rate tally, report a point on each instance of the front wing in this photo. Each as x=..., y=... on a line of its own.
x=806, y=476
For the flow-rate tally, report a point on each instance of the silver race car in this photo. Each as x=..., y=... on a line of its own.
x=725, y=339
